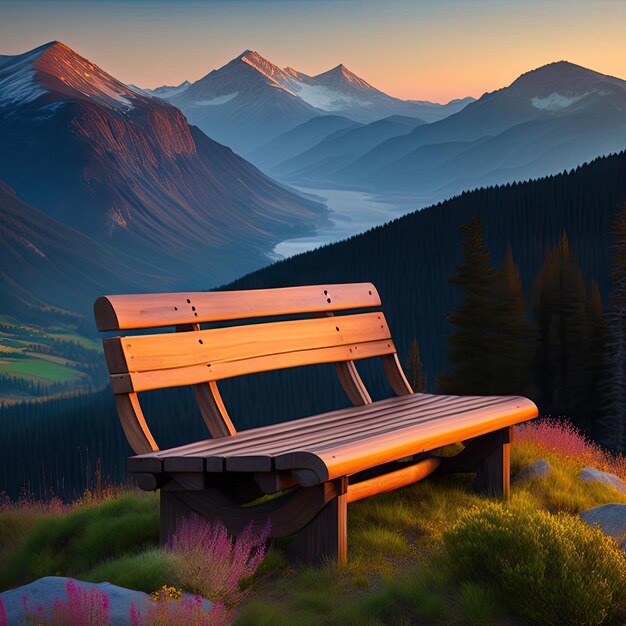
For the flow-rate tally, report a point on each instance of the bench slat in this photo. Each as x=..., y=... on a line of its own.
x=127, y=312
x=253, y=450
x=357, y=430
x=174, y=350
x=268, y=435
x=158, y=379
x=325, y=463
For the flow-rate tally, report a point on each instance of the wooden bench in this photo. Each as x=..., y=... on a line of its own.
x=316, y=465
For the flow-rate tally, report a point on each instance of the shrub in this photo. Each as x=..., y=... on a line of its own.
x=73, y=543
x=145, y=571
x=563, y=438
x=213, y=563
x=549, y=569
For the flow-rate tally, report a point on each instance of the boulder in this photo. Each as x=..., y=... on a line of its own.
x=590, y=474
x=44, y=591
x=611, y=518
x=538, y=469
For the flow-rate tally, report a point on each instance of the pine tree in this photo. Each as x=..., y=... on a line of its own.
x=415, y=369
x=560, y=314
x=471, y=345
x=514, y=337
x=595, y=357
x=614, y=419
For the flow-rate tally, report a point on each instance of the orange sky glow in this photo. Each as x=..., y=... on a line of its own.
x=419, y=49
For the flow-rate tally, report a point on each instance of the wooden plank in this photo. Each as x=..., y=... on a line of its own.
x=355, y=456
x=246, y=458
x=125, y=312
x=392, y=480
x=159, y=379
x=236, y=343
x=257, y=455
x=322, y=421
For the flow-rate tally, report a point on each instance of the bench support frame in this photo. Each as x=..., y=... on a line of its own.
x=490, y=457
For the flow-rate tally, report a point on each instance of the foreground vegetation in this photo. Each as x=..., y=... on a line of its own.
x=433, y=553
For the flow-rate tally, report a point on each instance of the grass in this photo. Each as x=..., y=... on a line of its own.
x=400, y=569
x=42, y=361
x=38, y=368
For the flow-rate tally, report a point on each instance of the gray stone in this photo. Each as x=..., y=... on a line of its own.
x=611, y=518
x=590, y=474
x=45, y=590
x=538, y=469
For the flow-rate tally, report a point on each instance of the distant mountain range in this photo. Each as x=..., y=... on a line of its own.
x=101, y=166
x=552, y=118
x=250, y=101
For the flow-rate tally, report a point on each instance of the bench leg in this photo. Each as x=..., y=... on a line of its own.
x=172, y=511
x=489, y=457
x=493, y=474
x=326, y=536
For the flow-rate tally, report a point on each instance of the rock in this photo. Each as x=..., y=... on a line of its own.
x=590, y=474
x=538, y=469
x=611, y=518
x=44, y=591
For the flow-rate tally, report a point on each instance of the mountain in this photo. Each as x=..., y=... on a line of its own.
x=433, y=111
x=128, y=171
x=245, y=103
x=340, y=149
x=46, y=265
x=549, y=119
x=168, y=91
x=341, y=91
x=250, y=101
x=299, y=139
x=165, y=91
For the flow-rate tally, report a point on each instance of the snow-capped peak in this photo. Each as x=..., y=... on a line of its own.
x=56, y=70
x=267, y=68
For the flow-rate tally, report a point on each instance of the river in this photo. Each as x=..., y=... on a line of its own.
x=349, y=213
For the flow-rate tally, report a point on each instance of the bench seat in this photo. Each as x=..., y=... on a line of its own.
x=343, y=442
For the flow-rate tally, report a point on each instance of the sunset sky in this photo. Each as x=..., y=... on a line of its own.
x=421, y=49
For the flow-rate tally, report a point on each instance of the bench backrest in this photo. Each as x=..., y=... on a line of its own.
x=202, y=357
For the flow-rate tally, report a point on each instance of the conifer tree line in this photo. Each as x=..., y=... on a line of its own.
x=563, y=348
